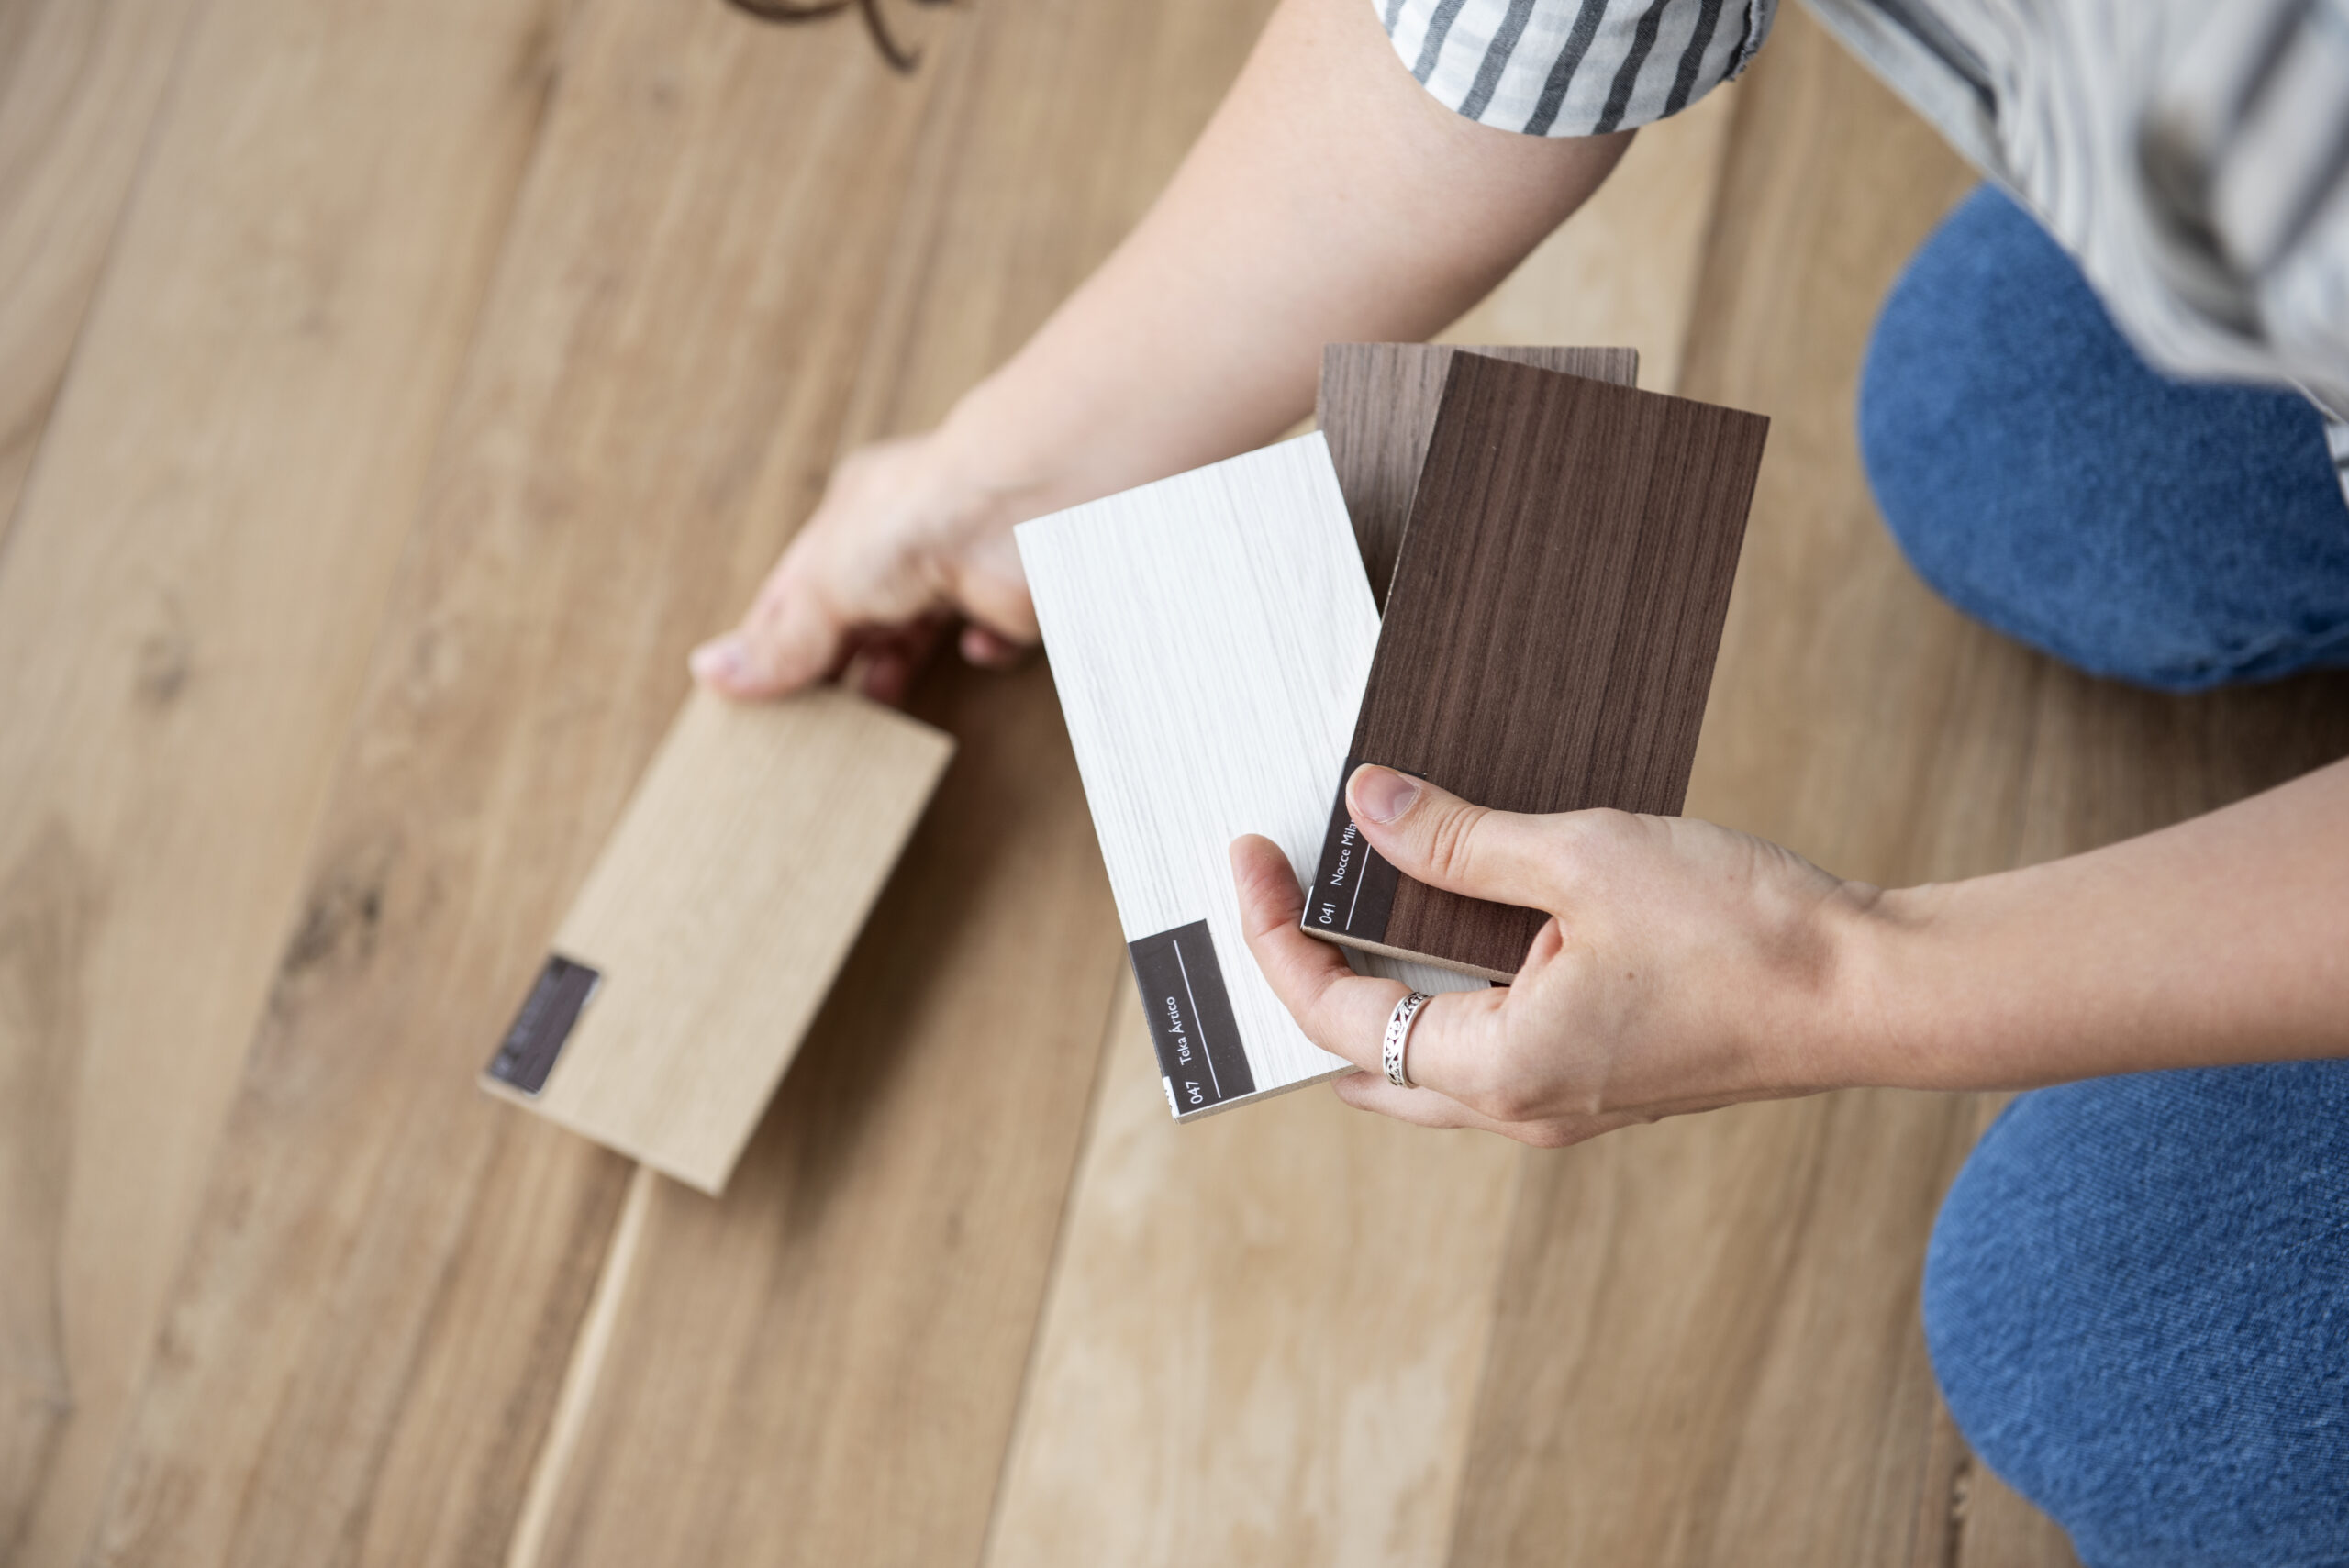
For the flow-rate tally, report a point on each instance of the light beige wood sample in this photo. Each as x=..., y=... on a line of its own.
x=188, y=594
x=823, y=1368
x=371, y=1314
x=719, y=911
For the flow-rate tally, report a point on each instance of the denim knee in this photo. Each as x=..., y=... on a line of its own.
x=2044, y=479
x=2137, y=1303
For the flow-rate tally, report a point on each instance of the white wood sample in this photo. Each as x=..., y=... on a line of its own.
x=718, y=913
x=1210, y=637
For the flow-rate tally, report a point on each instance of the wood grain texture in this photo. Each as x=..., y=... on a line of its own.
x=1707, y=1342
x=824, y=1368
x=1217, y=1375
x=1262, y=1339
x=388, y=1269
x=1550, y=639
x=718, y=915
x=1375, y=404
x=197, y=566
x=1209, y=634
x=80, y=83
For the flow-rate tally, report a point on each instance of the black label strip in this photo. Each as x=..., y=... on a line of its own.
x=1353, y=891
x=545, y=1022
x=1191, y=1026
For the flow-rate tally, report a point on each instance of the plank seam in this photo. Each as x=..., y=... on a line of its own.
x=1084, y=1151
x=583, y=1373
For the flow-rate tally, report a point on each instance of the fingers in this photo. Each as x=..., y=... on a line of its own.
x=1339, y=1010
x=883, y=664
x=1425, y=1107
x=1433, y=836
x=1452, y=1042
x=992, y=650
x=792, y=638
x=1421, y=1106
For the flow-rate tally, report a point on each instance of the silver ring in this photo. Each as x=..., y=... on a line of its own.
x=1399, y=1037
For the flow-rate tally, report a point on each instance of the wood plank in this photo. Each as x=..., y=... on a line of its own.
x=1707, y=1348
x=388, y=1269
x=1216, y=1378
x=1376, y=405
x=823, y=1369
x=1262, y=1339
x=1551, y=634
x=711, y=926
x=1209, y=634
x=188, y=595
x=79, y=84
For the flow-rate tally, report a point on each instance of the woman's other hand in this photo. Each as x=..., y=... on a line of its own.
x=1684, y=967
x=908, y=540
x=1330, y=200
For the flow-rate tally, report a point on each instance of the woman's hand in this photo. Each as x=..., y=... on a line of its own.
x=906, y=539
x=1684, y=967
x=1330, y=200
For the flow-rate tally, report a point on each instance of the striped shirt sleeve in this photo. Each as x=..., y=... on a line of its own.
x=1574, y=67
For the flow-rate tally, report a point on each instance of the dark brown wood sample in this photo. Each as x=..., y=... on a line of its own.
x=1376, y=408
x=1550, y=636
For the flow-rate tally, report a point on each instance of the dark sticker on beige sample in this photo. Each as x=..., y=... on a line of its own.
x=1191, y=1025
x=549, y=1013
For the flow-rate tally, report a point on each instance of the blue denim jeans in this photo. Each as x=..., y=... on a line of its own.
x=2044, y=481
x=2137, y=1295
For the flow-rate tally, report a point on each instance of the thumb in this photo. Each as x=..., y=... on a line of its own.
x=792, y=638
x=1432, y=836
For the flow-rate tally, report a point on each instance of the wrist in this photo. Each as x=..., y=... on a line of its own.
x=1014, y=454
x=1890, y=947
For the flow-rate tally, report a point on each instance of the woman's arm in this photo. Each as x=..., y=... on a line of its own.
x=1331, y=199
x=1688, y=966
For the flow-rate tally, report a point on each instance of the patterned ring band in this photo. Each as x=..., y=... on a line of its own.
x=1398, y=1036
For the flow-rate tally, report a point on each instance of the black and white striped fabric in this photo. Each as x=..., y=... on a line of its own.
x=2192, y=154
x=1574, y=67
x=1577, y=66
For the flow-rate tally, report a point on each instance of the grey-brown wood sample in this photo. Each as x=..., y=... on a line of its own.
x=690, y=966
x=1376, y=407
x=1550, y=637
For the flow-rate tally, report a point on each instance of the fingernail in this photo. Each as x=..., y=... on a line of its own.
x=1383, y=795
x=717, y=658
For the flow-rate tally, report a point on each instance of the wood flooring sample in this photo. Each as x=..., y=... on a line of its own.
x=1210, y=635
x=1376, y=408
x=1551, y=634
x=708, y=931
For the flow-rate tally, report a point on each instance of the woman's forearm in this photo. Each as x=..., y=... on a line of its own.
x=2222, y=940
x=1331, y=199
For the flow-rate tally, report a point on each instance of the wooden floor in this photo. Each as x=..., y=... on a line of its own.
x=390, y=394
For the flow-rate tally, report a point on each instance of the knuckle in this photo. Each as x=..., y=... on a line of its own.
x=1451, y=840
x=1515, y=1102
